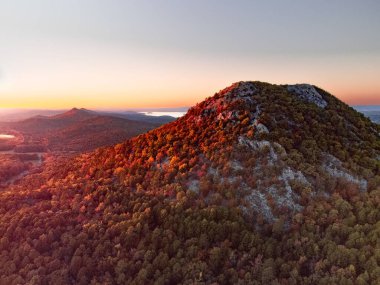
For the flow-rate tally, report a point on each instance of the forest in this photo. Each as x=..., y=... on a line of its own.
x=254, y=185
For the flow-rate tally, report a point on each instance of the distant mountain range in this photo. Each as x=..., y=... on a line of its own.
x=82, y=129
x=371, y=111
x=15, y=115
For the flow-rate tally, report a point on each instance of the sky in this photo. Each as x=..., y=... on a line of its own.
x=135, y=54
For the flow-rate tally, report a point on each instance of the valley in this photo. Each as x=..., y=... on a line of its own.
x=18, y=156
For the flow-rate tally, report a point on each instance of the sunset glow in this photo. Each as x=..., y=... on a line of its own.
x=143, y=54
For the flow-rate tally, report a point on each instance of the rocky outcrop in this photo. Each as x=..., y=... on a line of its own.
x=307, y=93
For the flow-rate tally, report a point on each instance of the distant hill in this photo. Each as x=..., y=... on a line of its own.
x=83, y=130
x=259, y=184
x=44, y=124
x=75, y=114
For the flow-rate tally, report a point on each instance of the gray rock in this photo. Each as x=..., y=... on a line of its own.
x=307, y=93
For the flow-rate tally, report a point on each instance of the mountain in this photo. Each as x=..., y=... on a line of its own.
x=75, y=114
x=259, y=184
x=43, y=124
x=82, y=130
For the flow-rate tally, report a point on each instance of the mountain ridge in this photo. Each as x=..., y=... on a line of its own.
x=76, y=113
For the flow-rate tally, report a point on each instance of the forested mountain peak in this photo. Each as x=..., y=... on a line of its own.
x=76, y=113
x=256, y=141
x=259, y=184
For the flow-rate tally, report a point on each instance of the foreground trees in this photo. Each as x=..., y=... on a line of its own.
x=144, y=240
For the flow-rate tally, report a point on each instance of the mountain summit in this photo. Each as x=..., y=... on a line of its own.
x=76, y=114
x=259, y=184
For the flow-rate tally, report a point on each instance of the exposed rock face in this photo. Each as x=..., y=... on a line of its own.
x=276, y=185
x=243, y=90
x=307, y=93
x=334, y=168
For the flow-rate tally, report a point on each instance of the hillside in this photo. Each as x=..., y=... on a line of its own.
x=44, y=124
x=259, y=184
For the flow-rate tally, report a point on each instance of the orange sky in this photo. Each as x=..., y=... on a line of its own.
x=178, y=80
